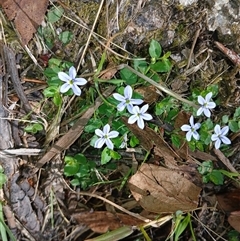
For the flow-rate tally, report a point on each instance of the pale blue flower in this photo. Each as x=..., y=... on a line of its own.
x=191, y=129
x=139, y=115
x=126, y=100
x=105, y=136
x=71, y=81
x=220, y=136
x=206, y=104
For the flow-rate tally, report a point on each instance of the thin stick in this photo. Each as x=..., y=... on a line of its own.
x=193, y=46
x=90, y=35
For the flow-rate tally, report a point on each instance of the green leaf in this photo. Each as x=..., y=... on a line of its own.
x=75, y=182
x=50, y=91
x=65, y=37
x=176, y=140
x=212, y=88
x=57, y=99
x=141, y=65
x=92, y=125
x=70, y=170
x=162, y=66
x=55, y=14
x=155, y=49
x=225, y=119
x=3, y=179
x=129, y=76
x=181, y=227
x=133, y=141
x=105, y=156
x=205, y=168
x=114, y=155
x=237, y=113
x=233, y=125
x=80, y=158
x=216, y=177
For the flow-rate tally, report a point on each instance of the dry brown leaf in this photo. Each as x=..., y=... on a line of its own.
x=160, y=190
x=234, y=220
x=103, y=221
x=229, y=201
x=27, y=15
x=149, y=93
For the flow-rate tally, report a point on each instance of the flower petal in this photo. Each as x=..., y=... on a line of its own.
x=225, y=140
x=217, y=143
x=191, y=121
x=185, y=127
x=189, y=136
x=214, y=137
x=129, y=107
x=136, y=101
x=106, y=129
x=119, y=97
x=207, y=112
x=208, y=96
x=98, y=132
x=76, y=90
x=128, y=92
x=135, y=110
x=146, y=116
x=197, y=126
x=224, y=130
x=121, y=106
x=200, y=111
x=109, y=144
x=80, y=81
x=210, y=105
x=217, y=130
x=63, y=76
x=144, y=108
x=201, y=100
x=65, y=87
x=140, y=123
x=99, y=142
x=195, y=135
x=132, y=119
x=113, y=134
x=72, y=72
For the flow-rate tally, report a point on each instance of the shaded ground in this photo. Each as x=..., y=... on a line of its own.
x=40, y=202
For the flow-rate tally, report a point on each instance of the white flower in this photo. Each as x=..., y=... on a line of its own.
x=205, y=105
x=220, y=136
x=71, y=81
x=139, y=115
x=126, y=100
x=191, y=130
x=105, y=136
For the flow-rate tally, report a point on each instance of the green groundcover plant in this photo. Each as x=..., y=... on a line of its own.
x=109, y=133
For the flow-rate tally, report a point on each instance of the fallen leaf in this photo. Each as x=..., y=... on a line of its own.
x=229, y=201
x=234, y=220
x=160, y=190
x=149, y=93
x=27, y=15
x=103, y=221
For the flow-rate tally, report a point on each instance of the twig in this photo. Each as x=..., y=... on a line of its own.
x=192, y=48
x=90, y=35
x=11, y=65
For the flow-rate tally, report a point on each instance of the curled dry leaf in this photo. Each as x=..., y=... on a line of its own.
x=103, y=221
x=27, y=15
x=161, y=190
